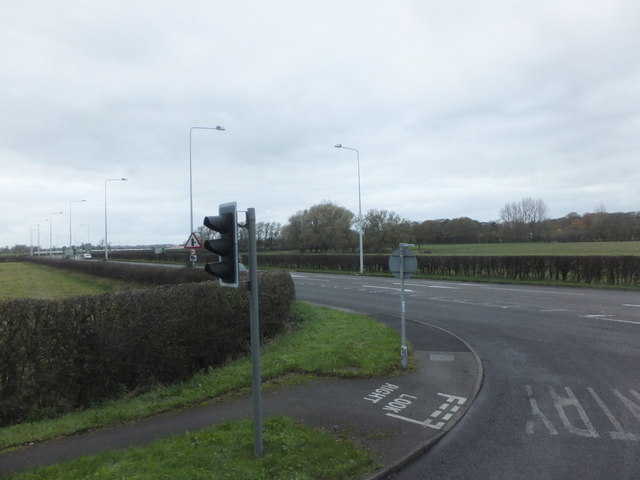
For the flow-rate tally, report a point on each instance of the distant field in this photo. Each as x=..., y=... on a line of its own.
x=26, y=280
x=500, y=249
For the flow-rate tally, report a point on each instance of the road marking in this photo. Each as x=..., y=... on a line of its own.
x=400, y=403
x=605, y=319
x=525, y=290
x=444, y=413
x=630, y=305
x=563, y=404
x=619, y=433
x=429, y=286
x=381, y=392
x=573, y=416
x=386, y=288
x=537, y=413
x=465, y=302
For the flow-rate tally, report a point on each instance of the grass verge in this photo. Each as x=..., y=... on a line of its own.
x=28, y=280
x=322, y=342
x=291, y=451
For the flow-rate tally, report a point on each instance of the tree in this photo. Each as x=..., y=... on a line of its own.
x=429, y=231
x=522, y=219
x=461, y=230
x=384, y=229
x=320, y=228
x=457, y=230
x=269, y=235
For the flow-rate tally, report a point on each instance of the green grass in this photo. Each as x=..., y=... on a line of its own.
x=27, y=280
x=325, y=342
x=500, y=249
x=291, y=451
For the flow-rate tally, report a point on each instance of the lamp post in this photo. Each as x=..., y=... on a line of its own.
x=217, y=127
x=72, y=201
x=88, y=232
x=339, y=145
x=106, y=242
x=31, y=238
x=51, y=232
x=43, y=220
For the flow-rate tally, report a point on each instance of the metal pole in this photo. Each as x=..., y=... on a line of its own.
x=339, y=145
x=106, y=241
x=190, y=186
x=31, y=240
x=360, y=217
x=43, y=220
x=256, y=382
x=51, y=232
x=403, y=348
x=72, y=201
x=50, y=235
x=217, y=127
x=38, y=240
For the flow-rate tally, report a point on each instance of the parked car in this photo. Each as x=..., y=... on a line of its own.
x=87, y=256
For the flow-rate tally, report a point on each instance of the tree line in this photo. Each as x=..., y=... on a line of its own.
x=328, y=227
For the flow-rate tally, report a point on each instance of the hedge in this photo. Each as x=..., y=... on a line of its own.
x=610, y=270
x=601, y=269
x=143, y=274
x=60, y=355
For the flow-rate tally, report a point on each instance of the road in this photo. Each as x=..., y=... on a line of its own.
x=561, y=393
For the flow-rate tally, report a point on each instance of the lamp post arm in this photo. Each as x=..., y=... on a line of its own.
x=217, y=127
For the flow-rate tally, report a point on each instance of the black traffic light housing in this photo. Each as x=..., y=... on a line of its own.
x=226, y=224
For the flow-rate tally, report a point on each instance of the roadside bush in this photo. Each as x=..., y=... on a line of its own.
x=60, y=355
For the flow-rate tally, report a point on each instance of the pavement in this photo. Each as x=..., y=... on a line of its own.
x=397, y=418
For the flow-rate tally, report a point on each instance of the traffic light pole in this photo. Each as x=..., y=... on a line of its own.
x=256, y=382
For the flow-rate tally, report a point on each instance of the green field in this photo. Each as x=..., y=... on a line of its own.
x=27, y=280
x=537, y=248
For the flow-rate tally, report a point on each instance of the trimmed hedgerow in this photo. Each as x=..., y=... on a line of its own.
x=60, y=355
x=609, y=270
x=135, y=273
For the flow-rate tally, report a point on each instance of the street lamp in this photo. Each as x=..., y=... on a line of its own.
x=51, y=232
x=31, y=239
x=339, y=145
x=88, y=232
x=72, y=201
x=106, y=242
x=43, y=220
x=217, y=127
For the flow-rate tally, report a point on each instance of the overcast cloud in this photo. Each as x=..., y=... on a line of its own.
x=457, y=107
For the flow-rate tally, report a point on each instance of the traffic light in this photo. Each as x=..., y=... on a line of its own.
x=226, y=246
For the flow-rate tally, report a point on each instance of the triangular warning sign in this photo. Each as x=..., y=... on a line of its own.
x=193, y=241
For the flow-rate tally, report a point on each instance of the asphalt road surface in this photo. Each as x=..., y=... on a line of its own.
x=561, y=393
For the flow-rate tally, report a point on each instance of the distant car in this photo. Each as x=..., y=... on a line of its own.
x=87, y=256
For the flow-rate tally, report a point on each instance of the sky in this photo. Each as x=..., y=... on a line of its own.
x=456, y=108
